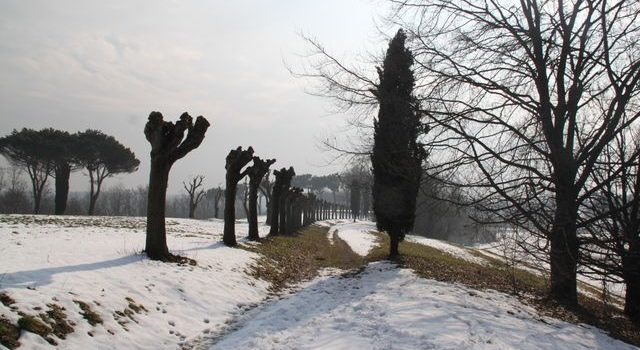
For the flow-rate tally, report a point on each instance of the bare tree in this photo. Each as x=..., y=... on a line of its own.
x=168, y=144
x=266, y=187
x=14, y=199
x=256, y=173
x=236, y=160
x=522, y=98
x=215, y=195
x=525, y=98
x=196, y=193
x=611, y=251
x=280, y=187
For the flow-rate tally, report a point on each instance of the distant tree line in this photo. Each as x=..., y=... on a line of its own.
x=51, y=153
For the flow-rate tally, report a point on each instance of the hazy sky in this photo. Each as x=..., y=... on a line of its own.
x=105, y=65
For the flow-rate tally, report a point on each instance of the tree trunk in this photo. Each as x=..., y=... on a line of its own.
x=564, y=250
x=216, y=209
x=229, y=235
x=393, y=246
x=37, y=196
x=192, y=210
x=282, y=229
x=631, y=266
x=92, y=204
x=253, y=213
x=63, y=171
x=156, y=244
x=274, y=213
x=268, y=205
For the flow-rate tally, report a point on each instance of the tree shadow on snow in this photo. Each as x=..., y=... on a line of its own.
x=44, y=276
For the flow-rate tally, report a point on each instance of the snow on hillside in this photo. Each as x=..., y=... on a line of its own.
x=150, y=305
x=449, y=248
x=97, y=260
x=385, y=307
x=509, y=249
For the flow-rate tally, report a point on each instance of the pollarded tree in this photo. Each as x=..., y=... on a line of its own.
x=29, y=150
x=397, y=156
x=256, y=173
x=266, y=187
x=168, y=144
x=195, y=192
x=281, y=184
x=236, y=160
x=102, y=156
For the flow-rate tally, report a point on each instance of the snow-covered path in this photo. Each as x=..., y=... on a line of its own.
x=385, y=307
x=356, y=234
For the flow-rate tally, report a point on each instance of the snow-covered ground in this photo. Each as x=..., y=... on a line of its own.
x=509, y=249
x=97, y=260
x=357, y=235
x=217, y=305
x=449, y=248
x=385, y=307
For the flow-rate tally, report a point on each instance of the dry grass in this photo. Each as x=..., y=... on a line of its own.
x=9, y=334
x=287, y=260
x=88, y=314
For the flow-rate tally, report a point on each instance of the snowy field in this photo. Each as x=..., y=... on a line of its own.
x=57, y=260
x=217, y=305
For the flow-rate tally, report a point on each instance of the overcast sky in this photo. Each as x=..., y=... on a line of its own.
x=74, y=65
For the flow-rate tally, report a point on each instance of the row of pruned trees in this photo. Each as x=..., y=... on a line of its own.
x=290, y=209
x=47, y=153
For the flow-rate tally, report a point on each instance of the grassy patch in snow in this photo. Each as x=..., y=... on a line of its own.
x=35, y=325
x=9, y=333
x=287, y=260
x=88, y=314
x=6, y=300
x=433, y=263
x=57, y=320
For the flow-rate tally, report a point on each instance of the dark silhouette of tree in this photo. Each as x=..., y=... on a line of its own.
x=280, y=186
x=397, y=156
x=63, y=149
x=216, y=194
x=355, y=198
x=256, y=173
x=525, y=97
x=196, y=193
x=522, y=99
x=236, y=160
x=168, y=144
x=102, y=156
x=244, y=188
x=30, y=150
x=266, y=186
x=611, y=251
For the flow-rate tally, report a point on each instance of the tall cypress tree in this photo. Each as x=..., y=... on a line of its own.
x=397, y=156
